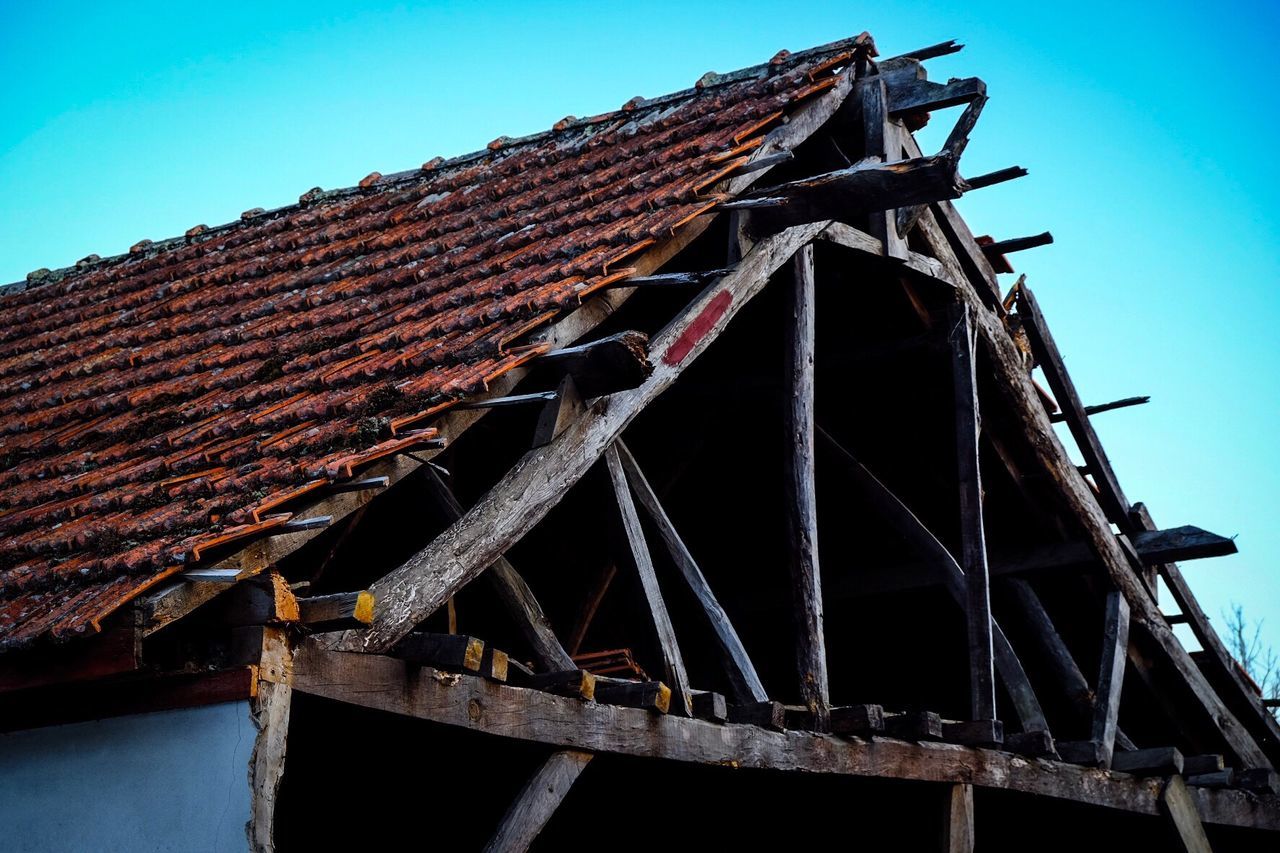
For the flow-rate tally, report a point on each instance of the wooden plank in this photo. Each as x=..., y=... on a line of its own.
x=913, y=725
x=709, y=705
x=650, y=695
x=1194, y=765
x=857, y=720
x=1154, y=761
x=1018, y=391
x=387, y=684
x=672, y=662
x=865, y=187
x=267, y=763
x=957, y=820
x=522, y=497
x=898, y=514
x=739, y=670
x=512, y=590
x=1095, y=458
x=575, y=683
x=997, y=177
x=1176, y=803
x=559, y=412
x=767, y=714
x=799, y=493
x=909, y=95
x=538, y=801
x=1000, y=248
x=1115, y=648
x=973, y=541
x=863, y=243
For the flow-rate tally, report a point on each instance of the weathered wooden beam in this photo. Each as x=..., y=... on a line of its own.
x=533, y=398
x=941, y=49
x=883, y=224
x=1054, y=651
x=863, y=243
x=957, y=819
x=997, y=177
x=1058, y=417
x=767, y=715
x=339, y=610
x=574, y=683
x=273, y=663
x=650, y=695
x=865, y=187
x=988, y=733
x=857, y=720
x=522, y=497
x=1034, y=744
x=538, y=801
x=800, y=492
x=913, y=725
x=512, y=590
x=672, y=661
x=911, y=528
x=739, y=670
x=1095, y=458
x=1079, y=499
x=1115, y=646
x=263, y=600
x=1193, y=765
x=559, y=412
x=387, y=684
x=909, y=95
x=1000, y=248
x=495, y=664
x=973, y=542
x=442, y=651
x=709, y=705
x=1177, y=804
x=1224, y=778
x=610, y=364
x=1156, y=761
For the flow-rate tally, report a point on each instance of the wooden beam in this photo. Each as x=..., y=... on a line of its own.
x=271, y=709
x=800, y=493
x=672, y=661
x=613, y=363
x=1015, y=385
x=909, y=95
x=1058, y=417
x=650, y=695
x=865, y=187
x=472, y=703
x=1155, y=761
x=1177, y=804
x=1115, y=646
x=883, y=224
x=1000, y=248
x=538, y=801
x=338, y=610
x=957, y=819
x=973, y=542
x=863, y=243
x=512, y=590
x=558, y=412
x=739, y=670
x=523, y=496
x=997, y=177
x=1095, y=458
x=911, y=528
x=447, y=651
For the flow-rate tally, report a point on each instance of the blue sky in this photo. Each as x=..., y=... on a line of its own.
x=1148, y=129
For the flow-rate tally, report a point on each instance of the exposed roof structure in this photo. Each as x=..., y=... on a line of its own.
x=291, y=444
x=160, y=405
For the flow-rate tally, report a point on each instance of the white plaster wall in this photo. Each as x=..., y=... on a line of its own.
x=171, y=780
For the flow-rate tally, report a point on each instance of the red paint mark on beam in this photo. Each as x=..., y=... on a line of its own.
x=698, y=329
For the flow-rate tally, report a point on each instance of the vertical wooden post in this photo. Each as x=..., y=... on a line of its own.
x=1115, y=647
x=957, y=826
x=800, y=493
x=271, y=717
x=672, y=662
x=973, y=547
x=879, y=141
x=537, y=802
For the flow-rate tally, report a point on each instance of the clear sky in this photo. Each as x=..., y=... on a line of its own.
x=1150, y=131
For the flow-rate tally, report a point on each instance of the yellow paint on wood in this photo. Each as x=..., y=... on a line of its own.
x=364, y=607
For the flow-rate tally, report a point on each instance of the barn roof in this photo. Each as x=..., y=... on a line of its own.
x=163, y=405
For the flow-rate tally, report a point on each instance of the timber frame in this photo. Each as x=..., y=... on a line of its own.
x=1057, y=673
